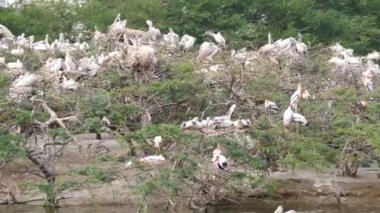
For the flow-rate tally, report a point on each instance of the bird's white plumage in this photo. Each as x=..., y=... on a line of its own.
x=288, y=116
x=299, y=118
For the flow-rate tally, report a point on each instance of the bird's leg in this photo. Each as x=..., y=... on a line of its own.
x=297, y=128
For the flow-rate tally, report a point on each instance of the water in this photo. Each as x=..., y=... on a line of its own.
x=254, y=206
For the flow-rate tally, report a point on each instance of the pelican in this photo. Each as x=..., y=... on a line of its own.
x=350, y=59
x=153, y=33
x=171, y=39
x=280, y=209
x=218, y=38
x=19, y=51
x=225, y=117
x=207, y=50
x=373, y=56
x=5, y=32
x=69, y=62
x=284, y=44
x=187, y=42
x=118, y=23
x=153, y=159
x=41, y=45
x=26, y=80
x=268, y=47
x=218, y=160
x=300, y=46
x=288, y=116
x=337, y=48
x=15, y=65
x=3, y=46
x=68, y=84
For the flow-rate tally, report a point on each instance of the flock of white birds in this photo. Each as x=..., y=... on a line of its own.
x=132, y=47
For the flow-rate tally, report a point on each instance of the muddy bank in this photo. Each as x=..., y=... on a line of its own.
x=326, y=188
x=303, y=186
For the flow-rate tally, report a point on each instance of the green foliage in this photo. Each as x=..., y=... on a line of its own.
x=96, y=175
x=50, y=192
x=10, y=145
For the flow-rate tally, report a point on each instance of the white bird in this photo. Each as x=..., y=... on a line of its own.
x=208, y=123
x=187, y=42
x=68, y=84
x=118, y=23
x=218, y=160
x=41, y=45
x=5, y=32
x=69, y=62
x=3, y=46
x=298, y=94
x=105, y=120
x=88, y=65
x=242, y=123
x=153, y=159
x=288, y=116
x=152, y=34
x=218, y=38
x=337, y=48
x=157, y=142
x=300, y=46
x=368, y=84
x=270, y=105
x=15, y=65
x=18, y=51
x=375, y=55
x=350, y=59
x=207, y=50
x=337, y=61
x=285, y=44
x=280, y=209
x=299, y=118
x=192, y=124
x=171, y=39
x=272, y=108
x=225, y=117
x=267, y=47
x=26, y=80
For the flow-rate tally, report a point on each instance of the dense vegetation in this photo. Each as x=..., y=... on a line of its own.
x=341, y=131
x=244, y=22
